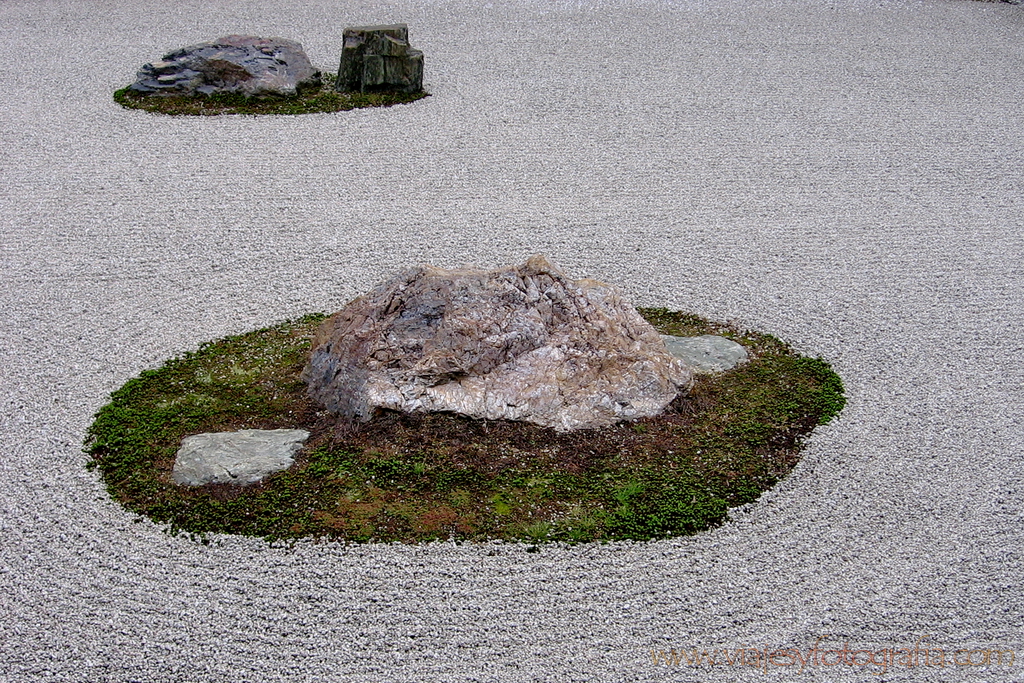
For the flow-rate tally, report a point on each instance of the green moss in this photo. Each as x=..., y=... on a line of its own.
x=309, y=101
x=436, y=476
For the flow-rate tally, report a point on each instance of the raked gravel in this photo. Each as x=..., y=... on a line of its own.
x=846, y=175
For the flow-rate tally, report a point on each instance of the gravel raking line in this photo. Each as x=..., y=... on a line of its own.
x=846, y=175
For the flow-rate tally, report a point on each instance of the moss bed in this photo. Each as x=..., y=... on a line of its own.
x=413, y=478
x=308, y=101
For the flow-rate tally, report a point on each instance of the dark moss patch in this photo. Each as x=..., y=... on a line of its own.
x=416, y=478
x=308, y=101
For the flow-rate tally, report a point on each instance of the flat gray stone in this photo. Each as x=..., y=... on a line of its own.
x=706, y=353
x=243, y=457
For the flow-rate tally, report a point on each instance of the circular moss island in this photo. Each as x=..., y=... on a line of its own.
x=438, y=476
x=312, y=100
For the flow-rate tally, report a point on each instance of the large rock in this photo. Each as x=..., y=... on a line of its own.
x=518, y=343
x=379, y=58
x=243, y=457
x=245, y=65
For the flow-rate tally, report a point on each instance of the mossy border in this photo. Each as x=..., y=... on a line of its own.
x=311, y=100
x=745, y=431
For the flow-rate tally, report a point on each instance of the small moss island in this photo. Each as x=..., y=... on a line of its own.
x=422, y=477
x=313, y=100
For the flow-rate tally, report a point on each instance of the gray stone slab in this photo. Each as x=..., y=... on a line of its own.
x=243, y=457
x=706, y=353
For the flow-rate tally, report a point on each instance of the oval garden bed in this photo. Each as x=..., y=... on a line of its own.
x=309, y=101
x=411, y=478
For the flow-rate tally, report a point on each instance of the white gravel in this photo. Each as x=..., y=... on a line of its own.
x=846, y=175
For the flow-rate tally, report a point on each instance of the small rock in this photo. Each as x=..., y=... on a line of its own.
x=379, y=58
x=707, y=353
x=517, y=343
x=246, y=65
x=243, y=457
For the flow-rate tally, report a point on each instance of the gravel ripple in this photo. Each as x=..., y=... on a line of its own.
x=846, y=175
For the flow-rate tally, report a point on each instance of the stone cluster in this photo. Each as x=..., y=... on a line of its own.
x=377, y=58
x=516, y=343
x=246, y=65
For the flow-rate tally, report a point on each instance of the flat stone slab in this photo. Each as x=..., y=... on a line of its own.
x=707, y=353
x=243, y=457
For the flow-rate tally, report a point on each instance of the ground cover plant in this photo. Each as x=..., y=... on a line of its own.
x=308, y=101
x=410, y=478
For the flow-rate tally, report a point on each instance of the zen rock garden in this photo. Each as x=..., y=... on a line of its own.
x=513, y=403
x=373, y=58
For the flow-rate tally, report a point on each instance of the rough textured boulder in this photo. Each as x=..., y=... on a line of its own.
x=518, y=343
x=245, y=65
x=243, y=457
x=379, y=58
x=707, y=353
